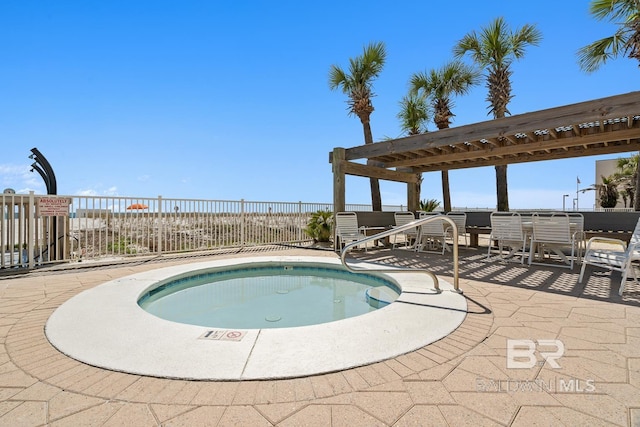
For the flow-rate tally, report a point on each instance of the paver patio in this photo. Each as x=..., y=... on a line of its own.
x=462, y=379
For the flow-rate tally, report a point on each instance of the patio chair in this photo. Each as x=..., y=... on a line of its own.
x=347, y=229
x=507, y=232
x=404, y=218
x=618, y=259
x=576, y=224
x=431, y=235
x=460, y=218
x=551, y=233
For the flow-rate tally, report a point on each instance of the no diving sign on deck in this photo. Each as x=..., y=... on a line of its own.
x=52, y=206
x=223, y=335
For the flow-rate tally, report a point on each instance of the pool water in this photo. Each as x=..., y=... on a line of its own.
x=267, y=297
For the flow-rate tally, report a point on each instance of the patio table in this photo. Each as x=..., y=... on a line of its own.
x=370, y=231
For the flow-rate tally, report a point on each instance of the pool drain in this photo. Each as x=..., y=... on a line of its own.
x=272, y=318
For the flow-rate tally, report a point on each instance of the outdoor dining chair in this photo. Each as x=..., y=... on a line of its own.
x=404, y=218
x=550, y=234
x=431, y=235
x=347, y=229
x=460, y=218
x=507, y=232
x=620, y=257
x=576, y=223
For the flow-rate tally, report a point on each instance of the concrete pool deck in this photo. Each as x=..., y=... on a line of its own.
x=105, y=327
x=462, y=379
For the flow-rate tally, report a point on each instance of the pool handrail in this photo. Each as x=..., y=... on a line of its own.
x=399, y=229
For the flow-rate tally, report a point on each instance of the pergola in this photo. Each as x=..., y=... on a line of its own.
x=602, y=126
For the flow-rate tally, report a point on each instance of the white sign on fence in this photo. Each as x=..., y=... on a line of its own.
x=52, y=206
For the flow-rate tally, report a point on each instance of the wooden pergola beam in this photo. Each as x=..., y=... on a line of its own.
x=366, y=171
x=602, y=126
x=584, y=112
x=517, y=148
x=576, y=152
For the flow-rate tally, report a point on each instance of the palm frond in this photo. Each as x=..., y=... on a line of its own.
x=413, y=114
x=419, y=83
x=613, y=10
x=624, y=42
x=592, y=56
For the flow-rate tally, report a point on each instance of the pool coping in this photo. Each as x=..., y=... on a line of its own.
x=105, y=327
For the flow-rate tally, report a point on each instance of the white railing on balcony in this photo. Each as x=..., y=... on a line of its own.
x=117, y=227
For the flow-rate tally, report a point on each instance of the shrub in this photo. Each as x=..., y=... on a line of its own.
x=429, y=205
x=319, y=225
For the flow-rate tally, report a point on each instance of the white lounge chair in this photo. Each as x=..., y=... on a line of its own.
x=347, y=229
x=620, y=258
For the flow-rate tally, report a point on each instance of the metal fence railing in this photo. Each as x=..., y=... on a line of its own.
x=128, y=227
x=101, y=227
x=98, y=227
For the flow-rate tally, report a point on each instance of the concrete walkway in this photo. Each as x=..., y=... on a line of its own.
x=464, y=379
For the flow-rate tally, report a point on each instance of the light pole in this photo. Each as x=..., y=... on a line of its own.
x=564, y=197
x=577, y=189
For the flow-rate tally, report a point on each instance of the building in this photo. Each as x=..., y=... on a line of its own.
x=607, y=168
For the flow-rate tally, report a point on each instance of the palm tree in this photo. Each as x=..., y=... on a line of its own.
x=608, y=192
x=357, y=84
x=625, y=41
x=626, y=177
x=494, y=49
x=454, y=78
x=413, y=114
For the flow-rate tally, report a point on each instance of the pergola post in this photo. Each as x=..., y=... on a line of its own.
x=413, y=190
x=338, y=179
x=413, y=196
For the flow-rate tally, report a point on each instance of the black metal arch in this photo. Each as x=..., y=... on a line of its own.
x=42, y=166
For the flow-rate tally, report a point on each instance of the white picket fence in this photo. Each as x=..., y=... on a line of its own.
x=117, y=227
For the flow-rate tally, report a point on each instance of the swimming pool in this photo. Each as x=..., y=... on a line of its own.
x=105, y=327
x=277, y=295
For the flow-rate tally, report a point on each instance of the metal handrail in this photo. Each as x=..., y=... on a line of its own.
x=399, y=229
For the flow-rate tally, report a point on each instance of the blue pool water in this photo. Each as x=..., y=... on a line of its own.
x=268, y=297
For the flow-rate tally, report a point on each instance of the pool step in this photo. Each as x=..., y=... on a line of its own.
x=380, y=296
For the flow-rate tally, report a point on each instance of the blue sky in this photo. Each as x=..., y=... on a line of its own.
x=229, y=100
